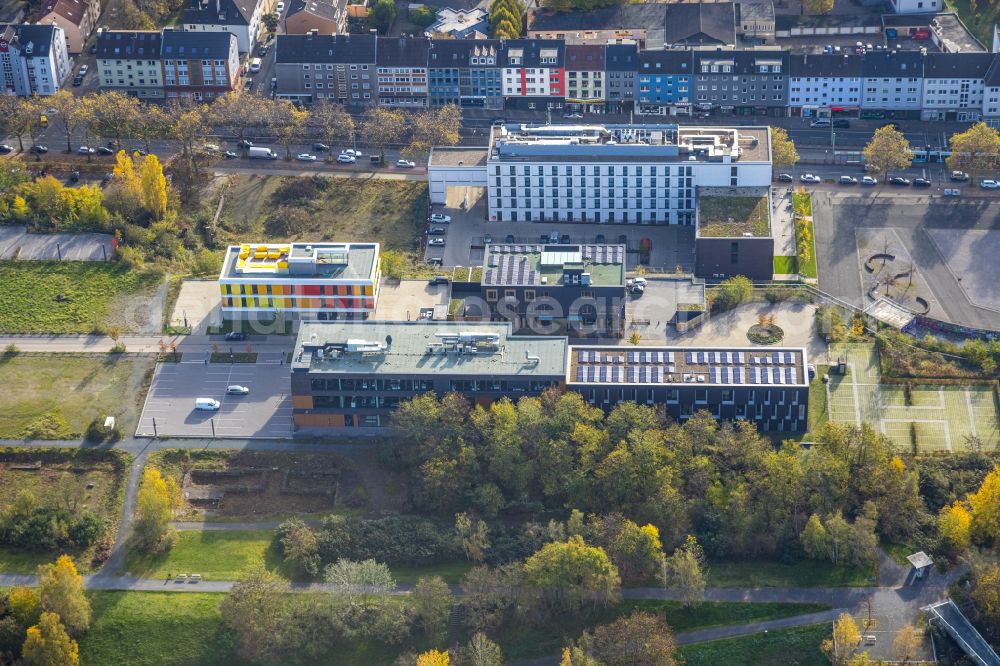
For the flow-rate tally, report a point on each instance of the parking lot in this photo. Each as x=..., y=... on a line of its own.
x=17, y=243
x=266, y=412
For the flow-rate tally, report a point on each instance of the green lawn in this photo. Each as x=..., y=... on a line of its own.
x=78, y=388
x=216, y=555
x=807, y=573
x=13, y=561
x=451, y=572
x=785, y=265
x=787, y=647
x=536, y=640
x=819, y=410
x=93, y=294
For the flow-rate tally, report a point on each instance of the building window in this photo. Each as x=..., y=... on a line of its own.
x=491, y=294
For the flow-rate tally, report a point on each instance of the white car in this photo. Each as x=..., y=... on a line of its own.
x=344, y=158
x=85, y=150
x=351, y=152
x=211, y=148
x=436, y=241
x=305, y=157
x=440, y=218
x=280, y=8
x=810, y=178
x=405, y=164
x=990, y=185
x=236, y=389
x=636, y=282
x=869, y=180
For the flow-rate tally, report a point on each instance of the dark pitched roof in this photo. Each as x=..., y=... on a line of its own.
x=458, y=52
x=585, y=57
x=182, y=45
x=221, y=12
x=129, y=44
x=621, y=57
x=992, y=77
x=71, y=10
x=324, y=48
x=39, y=36
x=531, y=49
x=826, y=65
x=679, y=61
x=692, y=24
x=743, y=62
x=331, y=10
x=892, y=64
x=402, y=51
x=957, y=65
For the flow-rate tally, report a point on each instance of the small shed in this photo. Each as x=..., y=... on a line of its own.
x=921, y=563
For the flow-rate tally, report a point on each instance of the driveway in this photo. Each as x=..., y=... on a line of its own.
x=265, y=413
x=198, y=306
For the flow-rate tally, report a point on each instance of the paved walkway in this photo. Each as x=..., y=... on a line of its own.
x=145, y=344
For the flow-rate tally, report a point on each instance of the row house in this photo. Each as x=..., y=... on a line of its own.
x=465, y=72
x=156, y=65
x=620, y=62
x=741, y=82
x=663, y=83
x=824, y=85
x=77, y=18
x=893, y=82
x=401, y=64
x=337, y=68
x=242, y=18
x=585, y=77
x=33, y=59
x=534, y=73
x=953, y=86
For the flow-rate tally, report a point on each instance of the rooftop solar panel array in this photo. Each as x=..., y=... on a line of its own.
x=655, y=367
x=511, y=269
x=597, y=254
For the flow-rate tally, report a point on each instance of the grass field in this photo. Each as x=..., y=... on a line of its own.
x=785, y=265
x=807, y=573
x=802, y=204
x=451, y=572
x=14, y=561
x=550, y=637
x=92, y=295
x=216, y=555
x=262, y=208
x=819, y=409
x=787, y=647
x=941, y=418
x=78, y=388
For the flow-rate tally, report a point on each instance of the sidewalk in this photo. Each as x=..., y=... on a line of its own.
x=142, y=344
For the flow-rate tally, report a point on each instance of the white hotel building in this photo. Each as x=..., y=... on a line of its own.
x=618, y=174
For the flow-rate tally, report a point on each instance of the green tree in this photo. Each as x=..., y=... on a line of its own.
x=473, y=535
x=48, y=644
x=153, y=511
x=975, y=151
x=815, y=540
x=819, y=6
x=888, y=150
x=481, y=651
x=734, y=291
x=257, y=611
x=432, y=603
x=299, y=546
x=569, y=572
x=25, y=605
x=783, y=153
x=271, y=21
x=686, y=572
x=393, y=264
x=382, y=15
x=60, y=589
x=359, y=581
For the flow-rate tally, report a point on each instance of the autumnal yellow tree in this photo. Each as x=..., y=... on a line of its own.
x=153, y=186
x=986, y=591
x=954, y=523
x=887, y=150
x=845, y=639
x=975, y=151
x=60, y=589
x=433, y=658
x=906, y=644
x=48, y=644
x=783, y=151
x=24, y=605
x=154, y=509
x=985, y=504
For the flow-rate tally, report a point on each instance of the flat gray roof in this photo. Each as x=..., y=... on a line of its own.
x=445, y=156
x=415, y=349
x=309, y=261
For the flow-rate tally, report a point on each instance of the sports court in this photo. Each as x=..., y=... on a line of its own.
x=942, y=416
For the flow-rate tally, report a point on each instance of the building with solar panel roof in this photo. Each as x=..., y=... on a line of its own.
x=568, y=289
x=767, y=386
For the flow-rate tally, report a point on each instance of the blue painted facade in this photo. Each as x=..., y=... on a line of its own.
x=466, y=73
x=664, y=79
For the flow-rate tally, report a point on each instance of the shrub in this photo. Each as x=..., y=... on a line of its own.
x=733, y=291
x=423, y=16
x=395, y=540
x=11, y=351
x=50, y=425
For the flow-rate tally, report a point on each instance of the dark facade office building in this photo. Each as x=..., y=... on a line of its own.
x=354, y=374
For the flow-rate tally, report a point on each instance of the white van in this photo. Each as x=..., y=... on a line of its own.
x=255, y=65
x=257, y=153
x=207, y=404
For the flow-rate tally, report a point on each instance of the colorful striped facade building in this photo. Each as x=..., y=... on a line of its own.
x=300, y=281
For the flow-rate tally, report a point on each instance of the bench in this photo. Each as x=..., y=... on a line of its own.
x=195, y=578
x=180, y=578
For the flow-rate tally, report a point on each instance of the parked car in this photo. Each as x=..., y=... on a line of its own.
x=498, y=121
x=320, y=147
x=921, y=182
x=405, y=164
x=600, y=239
x=959, y=176
x=439, y=279
x=821, y=122
x=104, y=150
x=989, y=185
x=264, y=50
x=868, y=180
x=437, y=230
x=280, y=8
x=248, y=84
x=509, y=239
x=564, y=239
x=74, y=176
x=108, y=177
x=305, y=157
x=487, y=239
x=843, y=123
x=810, y=178
x=631, y=282
x=899, y=180
x=207, y=404
x=39, y=149
x=85, y=150
x=572, y=116
x=351, y=152
x=623, y=239
x=344, y=158
x=141, y=152
x=245, y=143
x=4, y=148
x=848, y=180
x=543, y=238
x=785, y=178
x=77, y=81
x=440, y=218
x=235, y=336
x=236, y=389
x=230, y=155
x=436, y=241
x=637, y=289
x=84, y=69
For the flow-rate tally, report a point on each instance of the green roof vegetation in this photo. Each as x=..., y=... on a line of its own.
x=724, y=217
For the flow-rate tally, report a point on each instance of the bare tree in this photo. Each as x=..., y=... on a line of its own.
x=287, y=123
x=71, y=113
x=331, y=124
x=113, y=115
x=382, y=127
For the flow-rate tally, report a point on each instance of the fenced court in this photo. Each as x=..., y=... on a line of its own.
x=938, y=418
